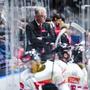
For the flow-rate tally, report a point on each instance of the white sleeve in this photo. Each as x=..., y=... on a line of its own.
x=29, y=84
x=64, y=86
x=27, y=81
x=59, y=80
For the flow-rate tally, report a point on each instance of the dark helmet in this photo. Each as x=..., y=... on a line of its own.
x=77, y=55
x=62, y=50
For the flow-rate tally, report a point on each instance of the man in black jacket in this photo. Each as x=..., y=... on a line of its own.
x=37, y=34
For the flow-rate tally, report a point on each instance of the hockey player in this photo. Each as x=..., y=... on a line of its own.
x=74, y=75
x=38, y=74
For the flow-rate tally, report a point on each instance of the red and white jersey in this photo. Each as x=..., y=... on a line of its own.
x=78, y=77
x=64, y=68
x=73, y=75
x=51, y=73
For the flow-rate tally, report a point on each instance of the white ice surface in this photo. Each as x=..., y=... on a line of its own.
x=10, y=82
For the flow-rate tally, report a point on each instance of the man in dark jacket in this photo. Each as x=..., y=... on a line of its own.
x=36, y=33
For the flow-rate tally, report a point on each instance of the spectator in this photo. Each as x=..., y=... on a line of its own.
x=22, y=36
x=56, y=20
x=2, y=28
x=59, y=21
x=36, y=33
x=2, y=43
x=60, y=24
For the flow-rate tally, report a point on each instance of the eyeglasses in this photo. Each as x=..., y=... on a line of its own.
x=42, y=16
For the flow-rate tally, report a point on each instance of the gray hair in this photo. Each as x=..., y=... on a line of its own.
x=39, y=9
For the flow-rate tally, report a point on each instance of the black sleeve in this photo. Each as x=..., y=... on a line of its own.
x=52, y=35
x=64, y=39
x=31, y=37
